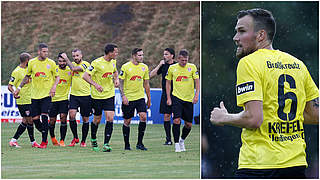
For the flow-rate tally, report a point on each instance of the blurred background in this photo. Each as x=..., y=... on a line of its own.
x=297, y=34
x=152, y=26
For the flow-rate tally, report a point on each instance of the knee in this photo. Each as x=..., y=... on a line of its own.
x=188, y=125
x=143, y=117
x=167, y=117
x=127, y=122
x=177, y=121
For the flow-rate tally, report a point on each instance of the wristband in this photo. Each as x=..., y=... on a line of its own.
x=19, y=88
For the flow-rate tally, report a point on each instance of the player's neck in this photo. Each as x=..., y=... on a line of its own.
x=170, y=61
x=41, y=58
x=134, y=62
x=107, y=58
x=265, y=45
x=23, y=66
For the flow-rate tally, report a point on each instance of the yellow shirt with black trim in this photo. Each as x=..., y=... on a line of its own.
x=183, y=80
x=17, y=76
x=101, y=72
x=133, y=76
x=284, y=85
x=80, y=87
x=63, y=88
x=43, y=75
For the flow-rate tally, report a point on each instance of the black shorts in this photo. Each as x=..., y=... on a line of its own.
x=102, y=104
x=128, y=110
x=39, y=106
x=297, y=172
x=58, y=107
x=182, y=109
x=84, y=102
x=164, y=108
x=24, y=110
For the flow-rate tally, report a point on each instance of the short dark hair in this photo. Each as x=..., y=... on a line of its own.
x=109, y=48
x=59, y=55
x=135, y=51
x=24, y=56
x=76, y=49
x=184, y=53
x=263, y=19
x=171, y=51
x=42, y=45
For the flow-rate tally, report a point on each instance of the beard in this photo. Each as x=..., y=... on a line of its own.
x=62, y=66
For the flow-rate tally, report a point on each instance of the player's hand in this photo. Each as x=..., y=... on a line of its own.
x=218, y=115
x=125, y=100
x=195, y=99
x=169, y=102
x=116, y=83
x=16, y=94
x=52, y=92
x=98, y=87
x=64, y=56
x=149, y=103
x=161, y=62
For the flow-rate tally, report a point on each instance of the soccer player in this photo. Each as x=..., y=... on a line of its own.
x=103, y=75
x=60, y=102
x=278, y=96
x=79, y=96
x=134, y=79
x=162, y=68
x=23, y=101
x=44, y=82
x=184, y=75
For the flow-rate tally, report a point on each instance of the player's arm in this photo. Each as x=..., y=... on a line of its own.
x=24, y=81
x=54, y=87
x=155, y=70
x=116, y=79
x=86, y=76
x=311, y=112
x=146, y=86
x=168, y=91
x=251, y=117
x=123, y=96
x=196, y=96
x=69, y=63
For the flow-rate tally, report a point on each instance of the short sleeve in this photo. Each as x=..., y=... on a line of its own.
x=146, y=73
x=195, y=74
x=249, y=84
x=54, y=69
x=13, y=78
x=169, y=74
x=122, y=74
x=91, y=69
x=311, y=89
x=29, y=68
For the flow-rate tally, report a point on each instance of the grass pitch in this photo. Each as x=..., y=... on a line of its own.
x=81, y=162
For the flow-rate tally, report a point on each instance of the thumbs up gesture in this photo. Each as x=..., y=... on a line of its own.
x=218, y=114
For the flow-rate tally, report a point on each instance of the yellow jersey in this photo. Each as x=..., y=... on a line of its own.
x=63, y=88
x=43, y=75
x=17, y=76
x=133, y=76
x=183, y=80
x=80, y=87
x=284, y=85
x=101, y=72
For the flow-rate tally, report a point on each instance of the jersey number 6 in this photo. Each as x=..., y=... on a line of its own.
x=282, y=97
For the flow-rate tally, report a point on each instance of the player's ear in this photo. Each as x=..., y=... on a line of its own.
x=262, y=35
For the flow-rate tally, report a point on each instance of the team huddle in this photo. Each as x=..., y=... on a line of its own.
x=44, y=90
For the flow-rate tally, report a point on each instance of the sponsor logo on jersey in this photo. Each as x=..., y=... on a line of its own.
x=62, y=81
x=121, y=73
x=40, y=74
x=48, y=66
x=245, y=87
x=189, y=69
x=90, y=68
x=182, y=78
x=107, y=75
x=133, y=78
x=279, y=65
x=75, y=73
x=143, y=68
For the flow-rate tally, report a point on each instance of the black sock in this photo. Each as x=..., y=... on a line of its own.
x=185, y=132
x=126, y=134
x=63, y=130
x=176, y=132
x=141, y=129
x=30, y=132
x=85, y=130
x=108, y=132
x=38, y=125
x=73, y=127
x=45, y=123
x=167, y=128
x=94, y=129
x=51, y=129
x=21, y=128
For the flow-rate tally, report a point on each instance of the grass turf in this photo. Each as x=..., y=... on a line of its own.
x=81, y=162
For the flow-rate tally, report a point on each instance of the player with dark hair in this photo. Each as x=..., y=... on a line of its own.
x=79, y=96
x=103, y=75
x=183, y=76
x=162, y=68
x=134, y=79
x=278, y=96
x=60, y=102
x=44, y=82
x=23, y=101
